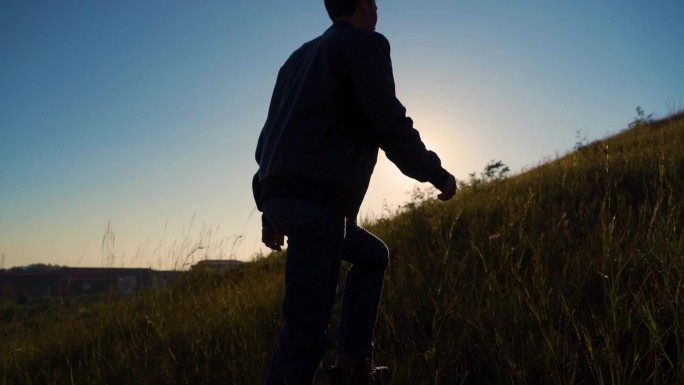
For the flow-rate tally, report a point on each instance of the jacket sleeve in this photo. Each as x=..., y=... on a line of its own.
x=370, y=70
x=256, y=184
x=256, y=190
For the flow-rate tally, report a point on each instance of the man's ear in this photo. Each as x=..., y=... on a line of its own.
x=364, y=4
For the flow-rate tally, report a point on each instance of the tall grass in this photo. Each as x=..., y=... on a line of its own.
x=570, y=273
x=210, y=327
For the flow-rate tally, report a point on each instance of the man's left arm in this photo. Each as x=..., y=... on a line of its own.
x=373, y=82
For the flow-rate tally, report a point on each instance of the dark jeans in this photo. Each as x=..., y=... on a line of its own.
x=319, y=238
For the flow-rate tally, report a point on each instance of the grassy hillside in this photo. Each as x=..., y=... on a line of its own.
x=570, y=273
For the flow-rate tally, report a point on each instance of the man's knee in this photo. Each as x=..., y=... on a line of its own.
x=380, y=258
x=365, y=250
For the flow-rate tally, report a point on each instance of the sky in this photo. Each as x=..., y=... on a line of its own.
x=128, y=128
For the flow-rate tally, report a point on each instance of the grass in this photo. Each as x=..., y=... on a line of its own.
x=570, y=273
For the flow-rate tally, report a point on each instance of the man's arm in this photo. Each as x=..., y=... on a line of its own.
x=271, y=237
x=449, y=189
x=373, y=83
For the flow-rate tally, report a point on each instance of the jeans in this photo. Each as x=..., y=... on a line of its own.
x=319, y=238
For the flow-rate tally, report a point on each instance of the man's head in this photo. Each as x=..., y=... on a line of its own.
x=362, y=13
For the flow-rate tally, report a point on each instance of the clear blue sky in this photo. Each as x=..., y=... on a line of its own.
x=143, y=115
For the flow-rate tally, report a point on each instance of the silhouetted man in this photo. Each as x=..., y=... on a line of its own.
x=333, y=107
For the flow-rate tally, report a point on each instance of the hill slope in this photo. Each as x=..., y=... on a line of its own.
x=569, y=273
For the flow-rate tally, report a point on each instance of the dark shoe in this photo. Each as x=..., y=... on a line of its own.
x=362, y=372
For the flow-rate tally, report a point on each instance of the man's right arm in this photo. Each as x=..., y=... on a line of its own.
x=449, y=189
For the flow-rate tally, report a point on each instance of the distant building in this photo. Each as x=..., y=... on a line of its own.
x=75, y=281
x=217, y=264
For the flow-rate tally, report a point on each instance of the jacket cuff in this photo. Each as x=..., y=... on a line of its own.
x=265, y=222
x=440, y=178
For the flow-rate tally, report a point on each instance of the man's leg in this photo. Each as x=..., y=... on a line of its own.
x=362, y=290
x=315, y=245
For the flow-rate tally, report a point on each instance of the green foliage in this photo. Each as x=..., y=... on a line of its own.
x=641, y=118
x=570, y=273
x=493, y=171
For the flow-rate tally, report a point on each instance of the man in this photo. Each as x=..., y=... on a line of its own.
x=333, y=107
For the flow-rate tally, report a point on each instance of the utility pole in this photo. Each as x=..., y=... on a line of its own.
x=3, y=261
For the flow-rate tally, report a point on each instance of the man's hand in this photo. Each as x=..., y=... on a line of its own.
x=449, y=189
x=272, y=238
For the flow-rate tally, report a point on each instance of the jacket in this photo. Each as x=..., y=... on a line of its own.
x=333, y=107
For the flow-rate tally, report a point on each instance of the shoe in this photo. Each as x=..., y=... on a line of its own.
x=362, y=372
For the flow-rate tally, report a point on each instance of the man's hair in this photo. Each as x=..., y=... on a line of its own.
x=339, y=8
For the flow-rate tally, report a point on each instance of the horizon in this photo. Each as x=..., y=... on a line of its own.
x=128, y=130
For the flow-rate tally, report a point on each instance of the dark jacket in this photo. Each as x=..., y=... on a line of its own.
x=332, y=108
